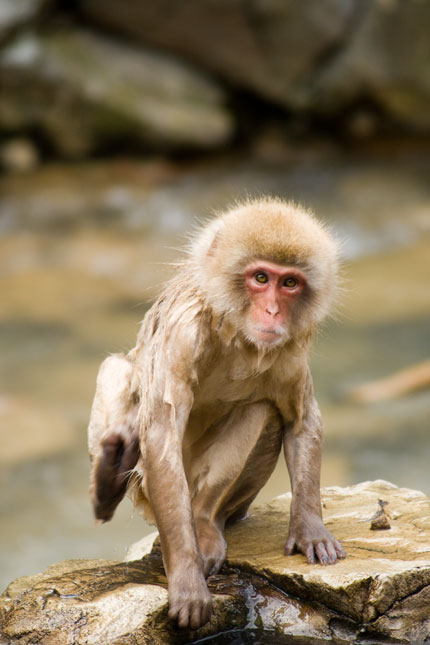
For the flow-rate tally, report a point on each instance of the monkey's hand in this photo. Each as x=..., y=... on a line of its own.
x=308, y=535
x=190, y=602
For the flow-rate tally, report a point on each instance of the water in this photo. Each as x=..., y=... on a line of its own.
x=82, y=252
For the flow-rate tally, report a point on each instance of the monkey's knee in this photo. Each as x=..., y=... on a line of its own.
x=268, y=424
x=258, y=463
x=115, y=374
x=115, y=404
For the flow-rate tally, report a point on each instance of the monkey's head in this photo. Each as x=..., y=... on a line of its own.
x=270, y=267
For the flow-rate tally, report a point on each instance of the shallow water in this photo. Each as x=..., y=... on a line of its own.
x=81, y=252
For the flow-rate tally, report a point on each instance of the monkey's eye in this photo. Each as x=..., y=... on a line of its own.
x=290, y=283
x=261, y=277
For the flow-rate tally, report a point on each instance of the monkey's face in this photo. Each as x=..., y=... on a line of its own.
x=274, y=292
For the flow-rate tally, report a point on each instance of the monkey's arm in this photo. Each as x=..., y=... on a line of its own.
x=302, y=449
x=189, y=599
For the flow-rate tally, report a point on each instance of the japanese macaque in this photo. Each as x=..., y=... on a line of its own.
x=191, y=422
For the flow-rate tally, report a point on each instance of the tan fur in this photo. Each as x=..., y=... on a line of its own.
x=211, y=405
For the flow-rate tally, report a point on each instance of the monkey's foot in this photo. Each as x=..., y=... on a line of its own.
x=212, y=546
x=119, y=457
x=190, y=602
x=310, y=537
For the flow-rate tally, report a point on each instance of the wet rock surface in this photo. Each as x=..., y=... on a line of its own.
x=379, y=594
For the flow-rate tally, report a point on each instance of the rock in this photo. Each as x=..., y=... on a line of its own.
x=271, y=47
x=19, y=155
x=84, y=91
x=385, y=60
x=139, y=549
x=380, y=593
x=317, y=56
x=383, y=570
x=16, y=13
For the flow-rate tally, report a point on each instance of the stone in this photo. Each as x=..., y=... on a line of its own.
x=379, y=594
x=84, y=91
x=383, y=569
x=385, y=61
x=16, y=13
x=271, y=48
x=19, y=155
x=320, y=56
x=143, y=547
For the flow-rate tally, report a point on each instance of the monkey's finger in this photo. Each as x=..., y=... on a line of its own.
x=321, y=553
x=196, y=618
x=290, y=546
x=215, y=568
x=184, y=616
x=200, y=614
x=309, y=553
x=339, y=550
x=173, y=612
x=207, y=611
x=332, y=557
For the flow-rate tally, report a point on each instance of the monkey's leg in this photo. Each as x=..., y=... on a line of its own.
x=166, y=488
x=238, y=464
x=112, y=436
x=307, y=532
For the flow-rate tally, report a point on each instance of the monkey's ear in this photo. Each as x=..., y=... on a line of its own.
x=216, y=238
x=214, y=245
x=206, y=244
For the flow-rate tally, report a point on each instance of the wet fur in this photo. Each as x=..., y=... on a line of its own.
x=211, y=406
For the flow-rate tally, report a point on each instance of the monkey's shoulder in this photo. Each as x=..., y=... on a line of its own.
x=174, y=335
x=180, y=303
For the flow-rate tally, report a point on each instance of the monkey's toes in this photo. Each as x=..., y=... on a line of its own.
x=213, y=557
x=113, y=447
x=192, y=614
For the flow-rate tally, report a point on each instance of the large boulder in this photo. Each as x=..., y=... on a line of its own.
x=18, y=13
x=82, y=90
x=320, y=56
x=379, y=594
x=385, y=60
x=271, y=47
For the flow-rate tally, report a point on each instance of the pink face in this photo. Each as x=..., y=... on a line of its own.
x=273, y=289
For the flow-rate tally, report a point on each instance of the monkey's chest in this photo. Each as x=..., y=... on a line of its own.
x=224, y=393
x=225, y=388
x=235, y=379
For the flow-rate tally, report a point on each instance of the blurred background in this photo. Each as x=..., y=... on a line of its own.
x=122, y=125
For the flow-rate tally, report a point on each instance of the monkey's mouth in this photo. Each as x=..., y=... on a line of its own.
x=269, y=335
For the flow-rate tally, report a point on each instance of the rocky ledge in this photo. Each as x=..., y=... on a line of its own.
x=379, y=594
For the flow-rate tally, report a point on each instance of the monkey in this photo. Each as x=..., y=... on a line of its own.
x=190, y=423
